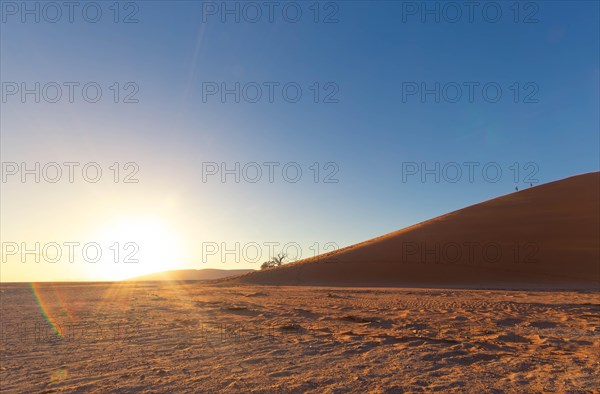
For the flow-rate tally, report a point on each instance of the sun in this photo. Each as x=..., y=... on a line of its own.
x=133, y=246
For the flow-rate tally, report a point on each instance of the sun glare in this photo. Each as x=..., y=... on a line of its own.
x=135, y=246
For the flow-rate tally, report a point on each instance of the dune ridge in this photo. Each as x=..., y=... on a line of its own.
x=545, y=236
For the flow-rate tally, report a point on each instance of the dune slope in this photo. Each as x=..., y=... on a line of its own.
x=545, y=236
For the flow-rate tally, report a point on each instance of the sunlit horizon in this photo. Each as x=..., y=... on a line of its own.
x=197, y=140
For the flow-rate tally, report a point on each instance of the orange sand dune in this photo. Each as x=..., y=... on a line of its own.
x=546, y=237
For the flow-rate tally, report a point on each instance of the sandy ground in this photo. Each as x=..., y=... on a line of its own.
x=190, y=337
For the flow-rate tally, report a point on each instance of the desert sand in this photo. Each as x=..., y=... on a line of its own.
x=382, y=319
x=547, y=237
x=188, y=337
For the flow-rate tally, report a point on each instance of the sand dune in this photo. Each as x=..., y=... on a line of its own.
x=182, y=275
x=183, y=336
x=545, y=236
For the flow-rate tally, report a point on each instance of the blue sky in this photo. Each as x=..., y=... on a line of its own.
x=368, y=57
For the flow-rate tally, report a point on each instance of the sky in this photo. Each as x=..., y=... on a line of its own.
x=188, y=134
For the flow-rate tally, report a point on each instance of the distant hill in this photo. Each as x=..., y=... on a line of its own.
x=181, y=275
x=547, y=236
